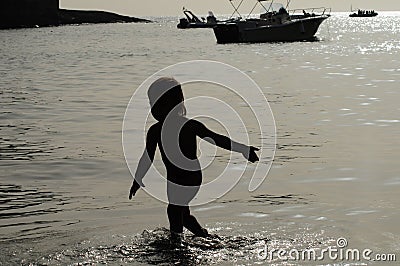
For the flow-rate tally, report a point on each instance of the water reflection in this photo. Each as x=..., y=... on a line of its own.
x=267, y=199
x=18, y=202
x=17, y=148
x=22, y=137
x=26, y=212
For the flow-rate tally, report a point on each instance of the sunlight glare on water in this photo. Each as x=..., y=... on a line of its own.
x=64, y=182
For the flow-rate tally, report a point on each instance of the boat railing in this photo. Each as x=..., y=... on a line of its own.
x=311, y=11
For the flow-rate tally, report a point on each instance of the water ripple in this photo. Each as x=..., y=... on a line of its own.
x=17, y=202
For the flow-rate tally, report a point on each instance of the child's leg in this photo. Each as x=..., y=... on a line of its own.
x=175, y=217
x=191, y=223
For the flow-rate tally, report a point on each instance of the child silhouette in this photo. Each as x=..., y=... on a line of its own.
x=175, y=136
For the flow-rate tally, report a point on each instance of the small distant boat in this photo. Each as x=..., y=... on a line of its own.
x=363, y=14
x=277, y=24
x=192, y=21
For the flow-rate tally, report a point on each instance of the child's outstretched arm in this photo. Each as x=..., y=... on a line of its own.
x=145, y=162
x=225, y=142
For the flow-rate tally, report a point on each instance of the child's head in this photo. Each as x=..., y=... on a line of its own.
x=166, y=98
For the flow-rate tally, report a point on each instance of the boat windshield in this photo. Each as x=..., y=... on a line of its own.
x=265, y=6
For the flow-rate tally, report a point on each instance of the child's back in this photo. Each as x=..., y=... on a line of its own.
x=176, y=138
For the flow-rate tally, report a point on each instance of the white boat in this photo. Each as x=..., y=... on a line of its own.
x=277, y=24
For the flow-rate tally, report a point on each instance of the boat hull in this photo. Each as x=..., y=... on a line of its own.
x=252, y=32
x=354, y=15
x=196, y=25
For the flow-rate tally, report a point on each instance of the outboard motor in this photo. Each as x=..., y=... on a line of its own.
x=183, y=22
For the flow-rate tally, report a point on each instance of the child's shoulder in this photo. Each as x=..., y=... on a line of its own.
x=183, y=121
x=153, y=129
x=194, y=123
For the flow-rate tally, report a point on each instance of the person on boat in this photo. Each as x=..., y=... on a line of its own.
x=211, y=19
x=175, y=135
x=282, y=10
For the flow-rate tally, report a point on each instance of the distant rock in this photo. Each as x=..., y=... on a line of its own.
x=39, y=18
x=66, y=16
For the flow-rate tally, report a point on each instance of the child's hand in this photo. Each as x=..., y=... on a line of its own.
x=251, y=155
x=134, y=188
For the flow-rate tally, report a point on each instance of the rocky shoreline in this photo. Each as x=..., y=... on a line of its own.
x=68, y=17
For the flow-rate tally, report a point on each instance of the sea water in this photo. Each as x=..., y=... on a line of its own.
x=64, y=181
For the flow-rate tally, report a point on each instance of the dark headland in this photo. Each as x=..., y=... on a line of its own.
x=42, y=13
x=66, y=16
